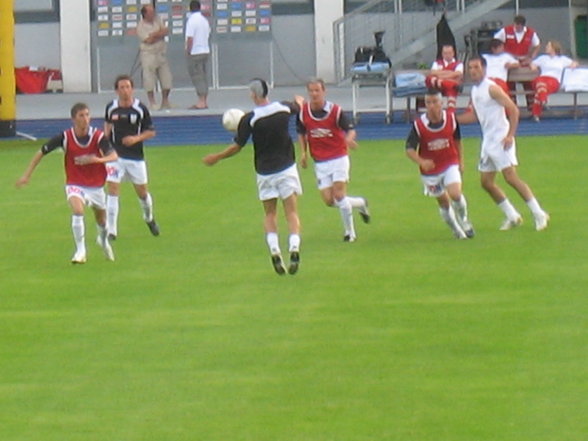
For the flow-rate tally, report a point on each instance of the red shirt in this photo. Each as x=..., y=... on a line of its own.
x=514, y=47
x=325, y=138
x=437, y=144
x=90, y=175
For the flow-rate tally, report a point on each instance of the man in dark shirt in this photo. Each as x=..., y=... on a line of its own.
x=275, y=164
x=127, y=123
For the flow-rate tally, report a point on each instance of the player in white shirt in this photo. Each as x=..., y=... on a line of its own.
x=551, y=66
x=499, y=63
x=498, y=152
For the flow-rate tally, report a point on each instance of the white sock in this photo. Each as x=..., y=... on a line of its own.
x=147, y=207
x=534, y=207
x=356, y=202
x=112, y=214
x=448, y=216
x=346, y=215
x=273, y=243
x=78, y=229
x=508, y=209
x=294, y=242
x=460, y=207
x=102, y=233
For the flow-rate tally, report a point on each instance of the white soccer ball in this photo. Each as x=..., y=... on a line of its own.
x=231, y=119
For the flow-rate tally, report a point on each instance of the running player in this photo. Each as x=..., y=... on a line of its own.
x=323, y=127
x=434, y=144
x=127, y=123
x=275, y=164
x=86, y=152
x=498, y=152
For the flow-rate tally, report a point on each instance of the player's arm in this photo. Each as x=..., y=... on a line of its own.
x=411, y=149
x=51, y=145
x=213, y=158
x=346, y=124
x=302, y=142
x=512, y=113
x=108, y=154
x=458, y=145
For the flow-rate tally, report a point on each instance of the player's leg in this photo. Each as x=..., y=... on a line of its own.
x=165, y=78
x=138, y=175
x=452, y=183
x=75, y=199
x=270, y=226
x=345, y=209
x=512, y=178
x=448, y=215
x=289, y=188
x=115, y=173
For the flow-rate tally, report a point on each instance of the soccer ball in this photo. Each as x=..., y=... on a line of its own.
x=231, y=119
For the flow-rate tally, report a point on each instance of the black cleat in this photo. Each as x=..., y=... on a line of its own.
x=294, y=262
x=153, y=227
x=349, y=238
x=364, y=212
x=111, y=237
x=278, y=264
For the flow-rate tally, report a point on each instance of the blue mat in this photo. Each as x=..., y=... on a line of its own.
x=204, y=130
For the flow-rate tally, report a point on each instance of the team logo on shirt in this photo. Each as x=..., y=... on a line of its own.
x=133, y=118
x=321, y=133
x=438, y=144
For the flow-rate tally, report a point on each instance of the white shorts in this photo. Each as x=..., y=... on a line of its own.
x=92, y=196
x=435, y=185
x=123, y=170
x=334, y=170
x=497, y=159
x=279, y=185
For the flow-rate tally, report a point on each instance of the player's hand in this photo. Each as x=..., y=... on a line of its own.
x=299, y=100
x=508, y=142
x=210, y=159
x=427, y=164
x=85, y=159
x=130, y=140
x=351, y=143
x=21, y=182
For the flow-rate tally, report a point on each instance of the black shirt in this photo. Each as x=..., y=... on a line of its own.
x=128, y=121
x=268, y=127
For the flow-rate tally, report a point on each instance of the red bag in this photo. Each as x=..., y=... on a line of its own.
x=31, y=80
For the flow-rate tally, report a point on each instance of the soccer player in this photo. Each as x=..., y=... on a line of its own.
x=434, y=144
x=446, y=75
x=86, y=152
x=323, y=127
x=551, y=66
x=275, y=164
x=127, y=123
x=498, y=152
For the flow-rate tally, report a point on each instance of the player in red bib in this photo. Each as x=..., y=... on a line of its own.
x=434, y=143
x=86, y=152
x=446, y=75
x=324, y=129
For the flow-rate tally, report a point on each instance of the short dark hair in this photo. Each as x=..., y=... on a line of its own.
x=316, y=80
x=123, y=77
x=194, y=5
x=496, y=43
x=433, y=91
x=259, y=87
x=520, y=20
x=479, y=58
x=77, y=107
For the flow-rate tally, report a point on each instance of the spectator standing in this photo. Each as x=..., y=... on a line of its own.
x=198, y=53
x=153, y=48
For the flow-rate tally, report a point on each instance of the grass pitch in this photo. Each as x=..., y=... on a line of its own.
x=405, y=335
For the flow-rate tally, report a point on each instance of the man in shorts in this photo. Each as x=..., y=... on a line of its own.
x=499, y=117
x=434, y=144
x=325, y=130
x=86, y=152
x=275, y=164
x=127, y=123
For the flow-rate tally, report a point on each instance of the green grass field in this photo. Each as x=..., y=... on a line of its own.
x=405, y=335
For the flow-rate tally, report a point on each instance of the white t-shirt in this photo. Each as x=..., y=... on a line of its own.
x=198, y=28
x=491, y=115
x=496, y=65
x=552, y=66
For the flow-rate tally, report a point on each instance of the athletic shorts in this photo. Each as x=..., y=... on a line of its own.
x=435, y=185
x=123, y=170
x=334, y=170
x=497, y=158
x=279, y=185
x=92, y=196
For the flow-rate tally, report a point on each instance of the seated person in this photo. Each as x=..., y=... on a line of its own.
x=550, y=66
x=446, y=75
x=498, y=63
